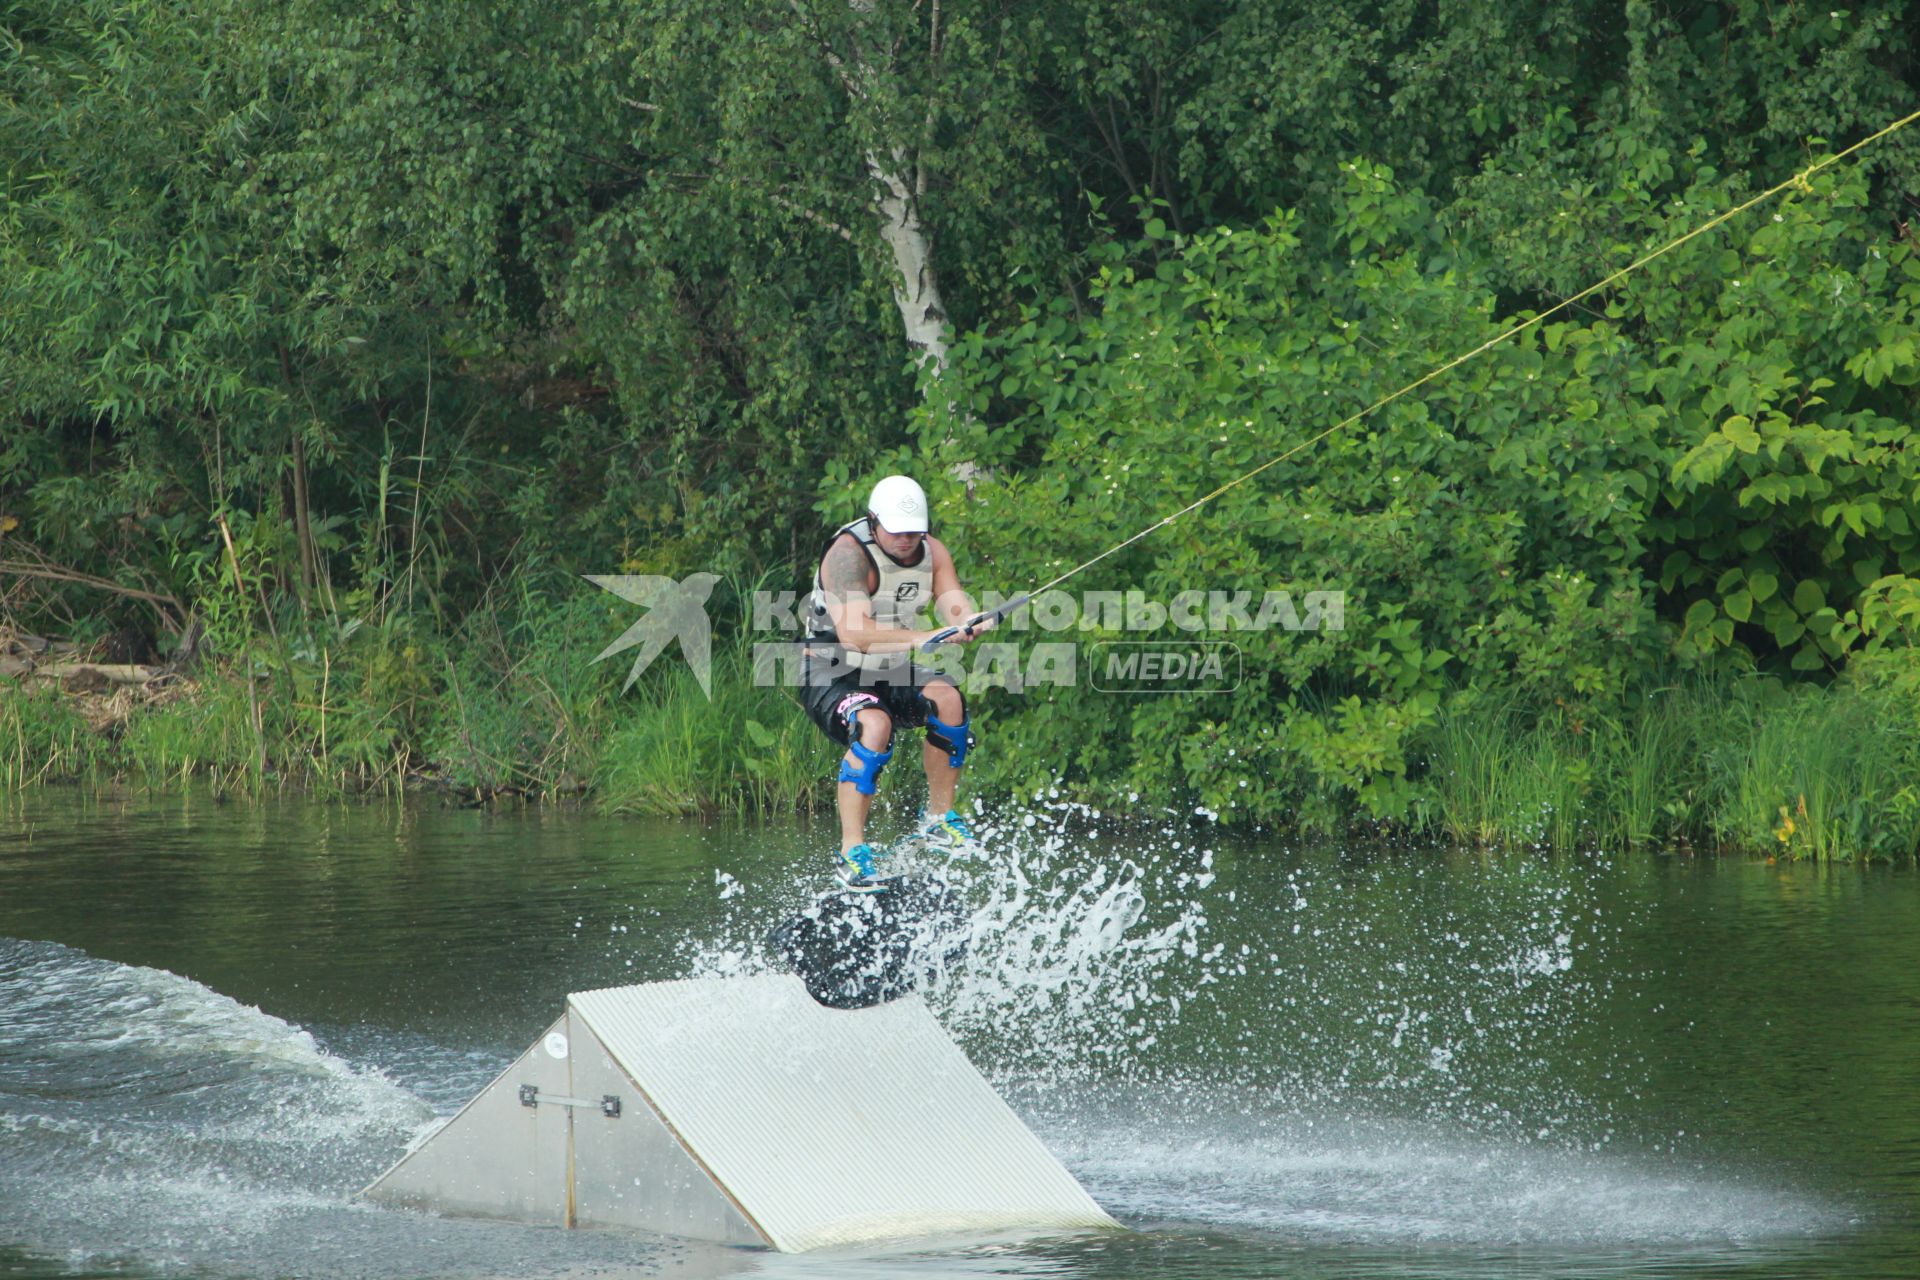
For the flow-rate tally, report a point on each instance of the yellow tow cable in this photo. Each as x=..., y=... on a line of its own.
x=1799, y=182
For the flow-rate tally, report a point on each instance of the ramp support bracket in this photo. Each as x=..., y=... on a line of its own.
x=609, y=1105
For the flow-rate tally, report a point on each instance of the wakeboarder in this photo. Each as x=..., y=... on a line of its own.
x=876, y=577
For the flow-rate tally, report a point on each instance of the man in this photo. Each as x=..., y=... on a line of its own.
x=875, y=576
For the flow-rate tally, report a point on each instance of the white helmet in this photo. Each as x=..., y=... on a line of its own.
x=899, y=505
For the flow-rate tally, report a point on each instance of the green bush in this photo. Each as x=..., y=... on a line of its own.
x=1549, y=522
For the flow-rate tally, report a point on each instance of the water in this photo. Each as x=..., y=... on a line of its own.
x=219, y=1021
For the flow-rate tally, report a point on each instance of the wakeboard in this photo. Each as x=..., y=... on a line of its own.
x=858, y=948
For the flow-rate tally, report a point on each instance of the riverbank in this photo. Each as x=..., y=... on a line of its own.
x=396, y=714
x=1745, y=766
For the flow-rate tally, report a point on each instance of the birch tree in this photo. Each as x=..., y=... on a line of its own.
x=897, y=127
x=868, y=60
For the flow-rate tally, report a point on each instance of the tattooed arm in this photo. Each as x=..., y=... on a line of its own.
x=848, y=578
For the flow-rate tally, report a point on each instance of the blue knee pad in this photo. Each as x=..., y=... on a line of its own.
x=954, y=739
x=864, y=776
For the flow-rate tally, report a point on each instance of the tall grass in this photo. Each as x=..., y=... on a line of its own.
x=748, y=750
x=209, y=733
x=1500, y=781
x=524, y=707
x=1641, y=758
x=44, y=738
x=1737, y=765
x=1811, y=773
x=510, y=703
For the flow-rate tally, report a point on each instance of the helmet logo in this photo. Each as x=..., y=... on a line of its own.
x=898, y=506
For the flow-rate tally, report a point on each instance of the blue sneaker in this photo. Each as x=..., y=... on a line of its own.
x=949, y=834
x=857, y=870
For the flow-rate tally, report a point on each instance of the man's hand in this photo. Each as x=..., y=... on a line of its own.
x=961, y=632
x=979, y=625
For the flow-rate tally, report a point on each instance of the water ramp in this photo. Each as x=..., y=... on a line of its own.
x=740, y=1110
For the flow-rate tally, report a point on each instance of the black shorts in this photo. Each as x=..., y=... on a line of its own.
x=833, y=695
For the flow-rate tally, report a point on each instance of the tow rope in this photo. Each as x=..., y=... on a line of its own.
x=1801, y=181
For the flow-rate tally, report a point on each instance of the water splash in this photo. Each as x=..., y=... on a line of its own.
x=1335, y=1048
x=1080, y=937
x=1394, y=985
x=1380, y=983
x=1068, y=974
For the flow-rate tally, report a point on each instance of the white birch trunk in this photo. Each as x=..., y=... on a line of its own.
x=916, y=291
x=899, y=184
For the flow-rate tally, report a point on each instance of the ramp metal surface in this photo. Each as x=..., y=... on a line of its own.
x=832, y=1127
x=495, y=1158
x=739, y=1110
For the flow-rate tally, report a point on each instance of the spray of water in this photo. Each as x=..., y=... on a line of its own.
x=1400, y=986
x=1068, y=971
x=1365, y=1047
x=1104, y=951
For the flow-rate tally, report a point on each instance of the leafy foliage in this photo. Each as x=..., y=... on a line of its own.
x=1722, y=447
x=432, y=307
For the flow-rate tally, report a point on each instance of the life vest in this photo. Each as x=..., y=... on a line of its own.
x=902, y=592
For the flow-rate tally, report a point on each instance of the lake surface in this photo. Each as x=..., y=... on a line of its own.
x=219, y=1021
